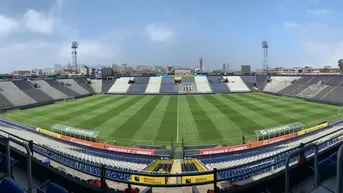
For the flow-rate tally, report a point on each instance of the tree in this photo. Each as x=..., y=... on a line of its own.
x=325, y=70
x=340, y=64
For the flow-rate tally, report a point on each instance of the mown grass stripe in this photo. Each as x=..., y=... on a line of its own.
x=102, y=117
x=63, y=106
x=306, y=112
x=133, y=124
x=152, y=124
x=188, y=129
x=168, y=125
x=265, y=112
x=80, y=112
x=225, y=126
x=245, y=123
x=206, y=129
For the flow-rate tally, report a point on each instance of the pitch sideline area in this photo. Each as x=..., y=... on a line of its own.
x=218, y=118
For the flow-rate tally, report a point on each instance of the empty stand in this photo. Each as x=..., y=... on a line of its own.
x=168, y=80
x=36, y=94
x=139, y=85
x=15, y=95
x=327, y=90
x=312, y=90
x=106, y=85
x=191, y=166
x=120, y=86
x=214, y=79
x=202, y=84
x=188, y=80
x=137, y=88
x=335, y=81
x=63, y=89
x=217, y=85
x=290, y=89
x=154, y=85
x=247, y=79
x=84, y=84
x=277, y=83
x=4, y=103
x=96, y=85
x=236, y=84
x=187, y=88
x=220, y=88
x=49, y=90
x=168, y=85
x=141, y=80
x=160, y=166
x=74, y=86
x=335, y=95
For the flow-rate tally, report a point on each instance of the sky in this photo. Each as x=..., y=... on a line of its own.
x=38, y=33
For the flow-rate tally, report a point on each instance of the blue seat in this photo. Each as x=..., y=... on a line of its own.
x=52, y=188
x=9, y=186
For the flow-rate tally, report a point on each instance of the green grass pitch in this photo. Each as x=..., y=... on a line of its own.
x=199, y=119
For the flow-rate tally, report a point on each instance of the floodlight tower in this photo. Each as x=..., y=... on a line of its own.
x=74, y=46
x=200, y=62
x=265, y=55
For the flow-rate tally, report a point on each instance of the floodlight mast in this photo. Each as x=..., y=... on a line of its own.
x=265, y=47
x=74, y=46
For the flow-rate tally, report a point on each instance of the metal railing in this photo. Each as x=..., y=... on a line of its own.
x=214, y=172
x=301, y=152
x=6, y=141
x=166, y=176
x=340, y=170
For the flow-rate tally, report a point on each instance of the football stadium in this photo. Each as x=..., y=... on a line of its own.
x=171, y=133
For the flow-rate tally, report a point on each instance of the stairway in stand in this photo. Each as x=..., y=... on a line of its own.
x=176, y=168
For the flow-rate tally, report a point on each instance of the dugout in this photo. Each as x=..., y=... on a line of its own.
x=272, y=132
x=89, y=135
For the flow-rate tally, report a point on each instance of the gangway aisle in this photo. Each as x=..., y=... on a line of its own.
x=202, y=84
x=154, y=85
x=120, y=86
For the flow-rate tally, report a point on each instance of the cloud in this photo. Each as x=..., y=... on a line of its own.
x=39, y=22
x=158, y=34
x=49, y=41
x=318, y=11
x=290, y=25
x=7, y=26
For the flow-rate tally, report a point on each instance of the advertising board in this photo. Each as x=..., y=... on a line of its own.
x=46, y=132
x=313, y=128
x=272, y=140
x=83, y=142
x=224, y=149
x=197, y=179
x=130, y=150
x=148, y=179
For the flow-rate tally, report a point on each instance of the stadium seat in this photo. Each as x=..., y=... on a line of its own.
x=7, y=185
x=52, y=188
